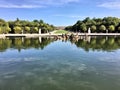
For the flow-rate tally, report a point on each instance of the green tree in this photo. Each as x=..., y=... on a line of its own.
x=69, y=28
x=7, y=29
x=1, y=30
x=41, y=24
x=106, y=21
x=98, y=21
x=27, y=29
x=119, y=28
x=83, y=27
x=35, y=29
x=111, y=21
x=111, y=28
x=2, y=22
x=18, y=25
x=102, y=28
x=93, y=28
x=17, y=29
x=44, y=28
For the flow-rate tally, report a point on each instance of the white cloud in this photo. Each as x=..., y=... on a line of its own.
x=110, y=5
x=33, y=3
x=67, y=1
x=53, y=2
x=20, y=6
x=69, y=16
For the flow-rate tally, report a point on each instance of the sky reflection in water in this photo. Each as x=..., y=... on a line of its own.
x=60, y=66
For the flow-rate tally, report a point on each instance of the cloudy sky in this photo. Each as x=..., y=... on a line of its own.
x=58, y=12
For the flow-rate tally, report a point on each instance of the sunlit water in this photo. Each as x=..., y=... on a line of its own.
x=60, y=65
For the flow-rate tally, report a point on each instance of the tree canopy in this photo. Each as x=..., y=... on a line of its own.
x=19, y=26
x=111, y=24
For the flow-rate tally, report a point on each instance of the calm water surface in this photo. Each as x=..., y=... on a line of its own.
x=50, y=64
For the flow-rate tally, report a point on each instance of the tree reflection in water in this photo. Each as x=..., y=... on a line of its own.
x=86, y=42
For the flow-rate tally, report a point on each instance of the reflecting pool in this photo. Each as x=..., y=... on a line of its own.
x=85, y=63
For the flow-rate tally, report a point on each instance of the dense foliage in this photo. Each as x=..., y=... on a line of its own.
x=23, y=26
x=106, y=24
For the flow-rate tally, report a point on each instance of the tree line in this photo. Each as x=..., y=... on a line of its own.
x=99, y=25
x=24, y=26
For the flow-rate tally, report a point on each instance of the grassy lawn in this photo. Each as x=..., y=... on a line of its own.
x=60, y=32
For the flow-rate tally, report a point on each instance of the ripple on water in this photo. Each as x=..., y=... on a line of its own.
x=73, y=68
x=29, y=74
x=110, y=59
x=9, y=76
x=87, y=86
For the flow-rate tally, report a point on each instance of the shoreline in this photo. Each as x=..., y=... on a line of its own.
x=40, y=35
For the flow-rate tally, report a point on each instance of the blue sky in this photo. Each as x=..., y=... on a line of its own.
x=58, y=12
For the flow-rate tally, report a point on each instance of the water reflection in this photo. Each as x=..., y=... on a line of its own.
x=60, y=65
x=24, y=43
x=85, y=42
x=99, y=43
